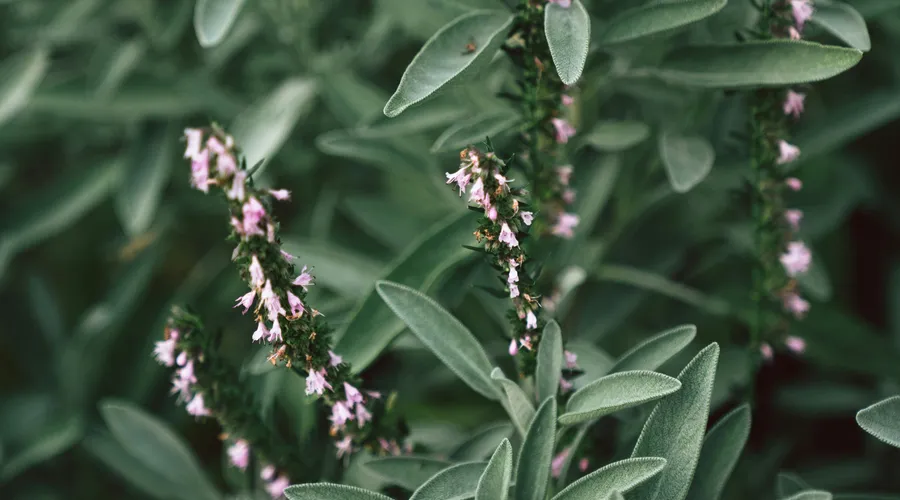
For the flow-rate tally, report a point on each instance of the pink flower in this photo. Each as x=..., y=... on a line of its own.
x=568, y=196
x=182, y=387
x=246, y=300
x=226, y=165
x=787, y=152
x=563, y=129
x=565, y=224
x=461, y=177
x=478, y=195
x=793, y=103
x=513, y=274
x=567, y=100
x=795, y=305
x=507, y=236
x=340, y=414
x=530, y=320
x=271, y=301
x=253, y=214
x=280, y=194
x=334, y=359
x=793, y=33
x=275, y=332
x=513, y=347
x=564, y=385
x=571, y=359
x=194, y=138
x=525, y=342
x=583, y=464
x=295, y=304
x=288, y=257
x=276, y=488
x=793, y=218
x=164, y=350
x=187, y=372
x=802, y=10
x=200, y=171
x=239, y=454
x=527, y=217
x=562, y=3
x=473, y=159
x=267, y=472
x=362, y=415
x=344, y=446
x=270, y=233
x=237, y=186
x=316, y=383
x=492, y=213
x=502, y=181
x=256, y=272
x=797, y=258
x=197, y=408
x=795, y=344
x=215, y=145
x=513, y=291
x=353, y=394
x=794, y=183
x=766, y=351
x=182, y=358
x=564, y=173
x=260, y=331
x=558, y=461
x=305, y=279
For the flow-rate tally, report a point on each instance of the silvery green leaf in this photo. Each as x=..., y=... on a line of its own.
x=843, y=21
x=615, y=496
x=377, y=152
x=480, y=444
x=54, y=439
x=494, y=482
x=613, y=136
x=882, y=420
x=617, y=477
x=445, y=335
x=787, y=484
x=549, y=362
x=653, y=352
x=657, y=17
x=20, y=76
x=721, y=449
x=409, y=472
x=213, y=19
x=329, y=491
x=688, y=159
x=147, y=172
x=533, y=469
x=447, y=54
x=517, y=404
x=675, y=429
x=474, y=130
x=811, y=495
x=113, y=455
x=568, y=31
x=616, y=392
x=457, y=482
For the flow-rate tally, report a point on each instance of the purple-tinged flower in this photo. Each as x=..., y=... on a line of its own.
x=461, y=177
x=507, y=236
x=568, y=196
x=182, y=387
x=257, y=278
x=530, y=320
x=316, y=383
x=280, y=194
x=197, y=408
x=276, y=488
x=583, y=464
x=271, y=301
x=513, y=347
x=287, y=257
x=182, y=358
x=362, y=415
x=793, y=218
x=794, y=183
x=200, y=171
x=502, y=180
x=353, y=394
x=797, y=258
x=787, y=152
x=513, y=274
x=564, y=130
x=492, y=213
x=340, y=414
x=565, y=224
x=239, y=454
x=793, y=33
x=344, y=446
x=246, y=300
x=796, y=305
x=374, y=394
x=513, y=291
x=478, y=195
x=267, y=472
x=239, y=229
x=526, y=342
x=260, y=331
x=562, y=3
x=305, y=279
x=793, y=103
x=187, y=372
x=564, y=173
x=164, y=350
x=275, y=332
x=270, y=233
x=527, y=217
x=226, y=165
x=295, y=304
x=556, y=465
x=253, y=214
x=795, y=344
x=766, y=351
x=194, y=138
x=571, y=359
x=237, y=191
x=334, y=359
x=565, y=386
x=567, y=100
x=802, y=10
x=215, y=145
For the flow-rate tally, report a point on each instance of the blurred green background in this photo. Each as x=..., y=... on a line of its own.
x=101, y=233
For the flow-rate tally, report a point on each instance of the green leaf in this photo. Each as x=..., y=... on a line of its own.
x=842, y=21
x=675, y=429
x=615, y=496
x=213, y=19
x=721, y=450
x=474, y=130
x=263, y=128
x=756, y=63
x=653, y=352
x=148, y=170
x=811, y=495
x=616, y=392
x=435, y=113
x=787, y=484
x=655, y=18
x=613, y=136
x=113, y=455
x=20, y=76
x=457, y=482
x=533, y=469
x=621, y=476
x=126, y=58
x=329, y=491
x=568, y=32
x=882, y=420
x=480, y=445
x=373, y=326
x=53, y=440
x=660, y=284
x=445, y=335
x=377, y=152
x=518, y=405
x=494, y=482
x=594, y=361
x=409, y=472
x=344, y=271
x=688, y=159
x=151, y=442
x=549, y=361
x=445, y=56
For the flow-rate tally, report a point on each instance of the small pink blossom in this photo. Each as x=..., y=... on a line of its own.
x=565, y=225
x=461, y=177
x=353, y=394
x=567, y=100
x=564, y=386
x=164, y=350
x=280, y=194
x=261, y=330
x=766, y=351
x=530, y=320
x=237, y=191
x=796, y=305
x=797, y=258
x=793, y=218
x=513, y=347
x=288, y=257
x=583, y=464
x=246, y=300
x=187, y=372
x=568, y=196
x=340, y=414
x=194, y=139
x=513, y=274
x=374, y=394
x=507, y=236
x=564, y=130
x=226, y=165
x=492, y=213
x=305, y=279
x=571, y=359
x=362, y=415
x=787, y=152
x=200, y=171
x=344, y=446
x=257, y=278
x=267, y=472
x=239, y=229
x=215, y=145
x=197, y=408
x=527, y=217
x=793, y=103
x=275, y=332
x=181, y=387
x=564, y=173
x=316, y=383
x=562, y=3
x=253, y=215
x=478, y=195
x=556, y=465
x=276, y=488
x=802, y=10
x=239, y=454
x=513, y=291
x=503, y=181
x=795, y=344
x=182, y=358
x=271, y=301
x=295, y=304
x=526, y=342
x=334, y=359
x=794, y=183
x=793, y=33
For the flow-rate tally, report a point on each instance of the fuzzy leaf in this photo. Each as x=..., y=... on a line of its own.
x=844, y=22
x=613, y=136
x=882, y=420
x=447, y=338
x=810, y=495
x=20, y=76
x=787, y=484
x=54, y=439
x=688, y=159
x=494, y=482
x=621, y=476
x=615, y=496
x=329, y=491
x=457, y=482
x=520, y=409
x=533, y=469
x=148, y=171
x=675, y=429
x=480, y=445
x=549, y=362
x=721, y=450
x=474, y=130
x=653, y=352
x=409, y=472
x=445, y=56
x=616, y=392
x=568, y=32
x=655, y=18
x=213, y=19
x=756, y=63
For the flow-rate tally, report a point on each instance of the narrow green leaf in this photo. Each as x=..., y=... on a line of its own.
x=446, y=55
x=721, y=449
x=616, y=392
x=675, y=429
x=126, y=58
x=148, y=170
x=329, y=491
x=653, y=352
x=615, y=496
x=377, y=152
x=688, y=159
x=621, y=476
x=457, y=482
x=20, y=76
x=568, y=32
x=113, y=455
x=549, y=362
x=787, y=484
x=213, y=19
x=480, y=445
x=445, y=335
x=613, y=136
x=844, y=22
x=655, y=18
x=520, y=409
x=660, y=284
x=409, y=472
x=352, y=99
x=882, y=420
x=811, y=495
x=373, y=326
x=494, y=482
x=54, y=439
x=474, y=130
x=433, y=114
x=533, y=469
x=756, y=63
